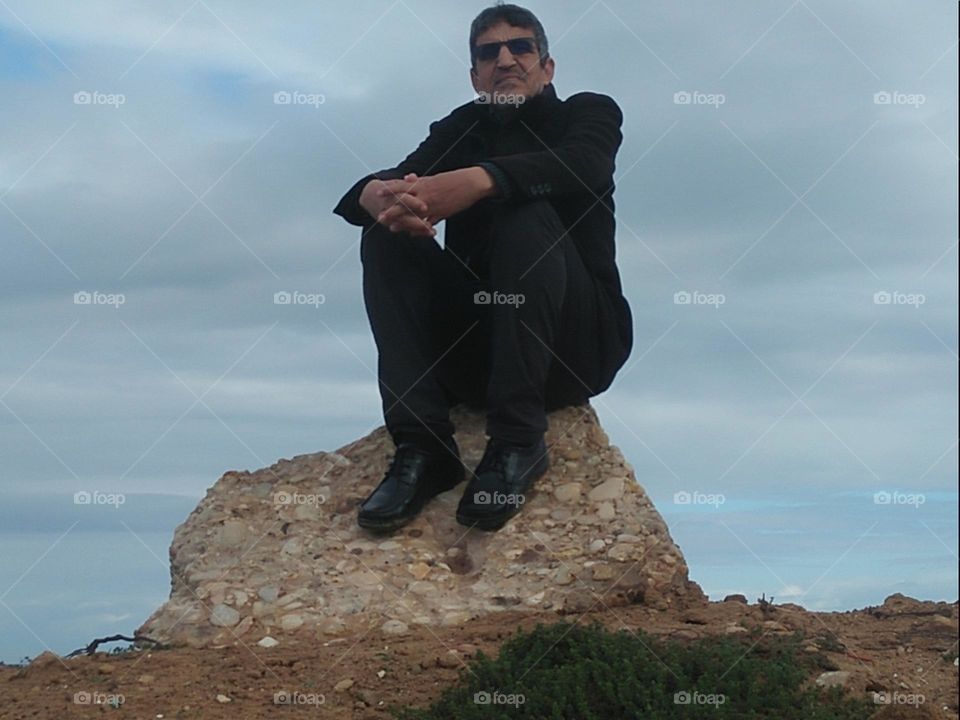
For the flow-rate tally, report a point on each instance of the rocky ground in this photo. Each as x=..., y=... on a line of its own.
x=904, y=650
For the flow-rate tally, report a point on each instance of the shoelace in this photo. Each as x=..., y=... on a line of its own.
x=403, y=461
x=494, y=459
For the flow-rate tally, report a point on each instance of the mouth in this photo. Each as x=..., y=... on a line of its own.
x=509, y=77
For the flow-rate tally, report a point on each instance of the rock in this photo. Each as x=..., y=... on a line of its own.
x=738, y=598
x=269, y=593
x=834, y=678
x=221, y=698
x=344, y=684
x=224, y=616
x=606, y=511
x=268, y=642
x=264, y=567
x=291, y=622
x=611, y=489
x=394, y=627
x=449, y=659
x=568, y=492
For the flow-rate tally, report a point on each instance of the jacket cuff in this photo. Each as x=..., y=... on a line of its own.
x=500, y=178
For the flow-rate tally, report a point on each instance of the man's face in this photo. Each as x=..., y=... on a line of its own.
x=510, y=74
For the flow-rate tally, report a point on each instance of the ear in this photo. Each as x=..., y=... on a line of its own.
x=474, y=80
x=548, y=69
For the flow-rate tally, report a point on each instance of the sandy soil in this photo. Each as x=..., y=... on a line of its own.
x=904, y=646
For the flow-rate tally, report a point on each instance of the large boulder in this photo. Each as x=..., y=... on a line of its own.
x=279, y=551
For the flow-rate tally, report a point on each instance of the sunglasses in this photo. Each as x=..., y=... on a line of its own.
x=517, y=46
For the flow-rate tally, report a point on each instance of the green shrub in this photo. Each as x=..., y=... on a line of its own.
x=566, y=671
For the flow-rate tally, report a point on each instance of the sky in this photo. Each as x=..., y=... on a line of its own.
x=789, y=169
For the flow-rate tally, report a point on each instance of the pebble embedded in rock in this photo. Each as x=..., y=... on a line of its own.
x=395, y=627
x=224, y=616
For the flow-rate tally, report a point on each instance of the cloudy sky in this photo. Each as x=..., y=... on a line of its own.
x=791, y=166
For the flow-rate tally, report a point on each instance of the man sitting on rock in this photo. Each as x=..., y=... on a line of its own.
x=521, y=312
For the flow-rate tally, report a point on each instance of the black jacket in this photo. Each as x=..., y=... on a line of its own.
x=561, y=151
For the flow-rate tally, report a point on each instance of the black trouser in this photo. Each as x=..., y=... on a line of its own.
x=532, y=348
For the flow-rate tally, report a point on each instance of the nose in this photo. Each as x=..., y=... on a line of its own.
x=505, y=58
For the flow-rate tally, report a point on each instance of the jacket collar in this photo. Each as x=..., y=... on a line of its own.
x=530, y=111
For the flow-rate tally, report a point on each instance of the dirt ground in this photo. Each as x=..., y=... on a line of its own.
x=905, y=649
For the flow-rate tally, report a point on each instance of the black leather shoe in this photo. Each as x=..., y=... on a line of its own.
x=496, y=491
x=414, y=477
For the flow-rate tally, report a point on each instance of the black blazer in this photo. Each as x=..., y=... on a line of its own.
x=561, y=151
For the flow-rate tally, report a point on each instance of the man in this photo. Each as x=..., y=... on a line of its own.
x=522, y=311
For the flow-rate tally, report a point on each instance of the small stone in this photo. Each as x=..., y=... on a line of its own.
x=344, y=684
x=602, y=572
x=735, y=629
x=835, y=678
x=389, y=545
x=685, y=634
x=381, y=674
x=562, y=576
x=620, y=551
x=457, y=617
x=269, y=593
x=606, y=511
x=419, y=570
x=597, y=546
x=611, y=489
x=775, y=626
x=569, y=492
x=291, y=622
x=232, y=533
x=449, y=659
x=221, y=698
x=395, y=627
x=146, y=679
x=268, y=642
x=224, y=616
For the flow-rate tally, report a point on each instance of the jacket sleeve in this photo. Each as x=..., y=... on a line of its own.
x=583, y=159
x=427, y=159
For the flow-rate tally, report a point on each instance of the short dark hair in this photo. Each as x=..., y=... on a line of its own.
x=512, y=15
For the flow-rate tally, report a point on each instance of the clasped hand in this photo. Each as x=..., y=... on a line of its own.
x=415, y=204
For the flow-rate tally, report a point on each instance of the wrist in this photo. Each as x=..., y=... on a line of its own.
x=484, y=183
